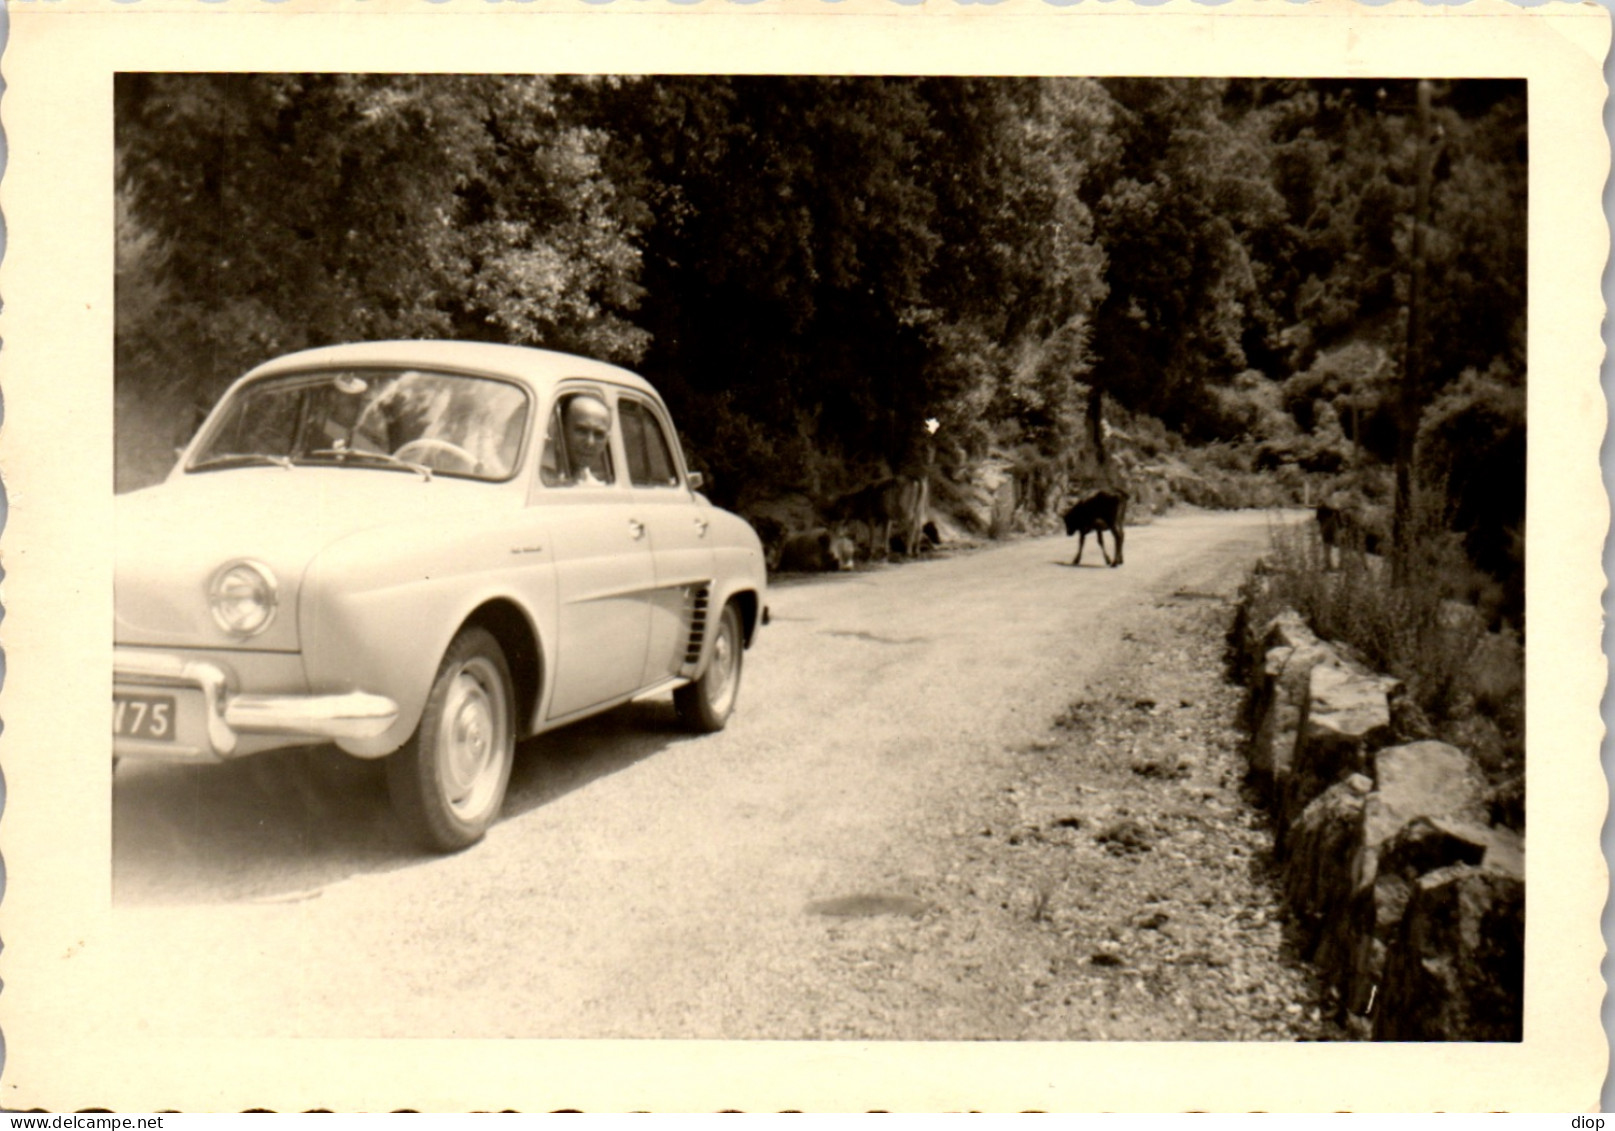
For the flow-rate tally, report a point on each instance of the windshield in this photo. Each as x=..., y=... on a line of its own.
x=407, y=420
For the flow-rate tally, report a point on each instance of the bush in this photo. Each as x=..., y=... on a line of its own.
x=1472, y=437
x=1257, y=404
x=1422, y=627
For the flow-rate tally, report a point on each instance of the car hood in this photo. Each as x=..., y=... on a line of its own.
x=171, y=539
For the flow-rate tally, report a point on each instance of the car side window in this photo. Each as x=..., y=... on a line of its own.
x=577, y=443
x=650, y=459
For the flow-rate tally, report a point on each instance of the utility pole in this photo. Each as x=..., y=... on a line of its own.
x=1410, y=402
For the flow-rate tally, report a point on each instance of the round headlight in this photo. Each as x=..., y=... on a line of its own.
x=242, y=598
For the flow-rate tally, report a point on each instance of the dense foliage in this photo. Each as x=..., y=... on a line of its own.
x=813, y=267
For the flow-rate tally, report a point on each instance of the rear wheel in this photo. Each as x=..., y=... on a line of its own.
x=706, y=704
x=448, y=782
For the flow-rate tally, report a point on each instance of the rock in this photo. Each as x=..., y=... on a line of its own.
x=1505, y=804
x=1317, y=875
x=1427, y=844
x=1456, y=968
x=1279, y=720
x=1167, y=768
x=1280, y=691
x=978, y=494
x=1125, y=836
x=1375, y=914
x=1264, y=684
x=1405, y=896
x=1505, y=851
x=1420, y=779
x=1346, y=717
x=1412, y=824
x=1288, y=630
x=1408, y=719
x=1244, y=636
x=1266, y=647
x=1428, y=779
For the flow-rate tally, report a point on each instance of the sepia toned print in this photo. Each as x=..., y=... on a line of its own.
x=978, y=803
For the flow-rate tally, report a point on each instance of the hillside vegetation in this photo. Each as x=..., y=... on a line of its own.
x=833, y=279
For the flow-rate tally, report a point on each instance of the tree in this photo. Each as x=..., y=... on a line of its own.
x=1020, y=271
x=1177, y=206
x=274, y=212
x=831, y=261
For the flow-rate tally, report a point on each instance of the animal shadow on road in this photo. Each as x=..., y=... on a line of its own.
x=280, y=826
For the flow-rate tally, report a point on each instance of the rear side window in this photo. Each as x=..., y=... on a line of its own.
x=650, y=456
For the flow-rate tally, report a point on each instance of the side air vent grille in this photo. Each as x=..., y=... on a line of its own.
x=696, y=598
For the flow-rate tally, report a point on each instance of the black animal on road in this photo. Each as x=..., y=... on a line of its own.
x=1099, y=512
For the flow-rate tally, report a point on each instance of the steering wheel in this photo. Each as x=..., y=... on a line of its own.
x=429, y=446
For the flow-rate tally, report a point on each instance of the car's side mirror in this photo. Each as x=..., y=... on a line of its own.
x=697, y=480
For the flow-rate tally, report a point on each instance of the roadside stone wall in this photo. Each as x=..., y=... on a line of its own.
x=1406, y=892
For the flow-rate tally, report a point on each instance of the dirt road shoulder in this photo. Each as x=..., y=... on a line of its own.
x=1116, y=885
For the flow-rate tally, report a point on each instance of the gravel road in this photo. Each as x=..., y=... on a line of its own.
x=985, y=795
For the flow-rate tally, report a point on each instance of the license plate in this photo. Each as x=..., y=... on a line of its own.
x=144, y=716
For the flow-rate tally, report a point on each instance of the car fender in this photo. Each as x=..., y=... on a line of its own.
x=738, y=571
x=379, y=609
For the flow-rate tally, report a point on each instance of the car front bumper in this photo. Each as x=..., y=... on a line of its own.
x=219, y=722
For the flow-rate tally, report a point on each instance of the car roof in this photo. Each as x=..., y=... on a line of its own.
x=539, y=368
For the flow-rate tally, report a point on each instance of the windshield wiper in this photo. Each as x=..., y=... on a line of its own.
x=386, y=459
x=242, y=459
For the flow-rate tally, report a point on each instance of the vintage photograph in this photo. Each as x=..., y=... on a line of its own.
x=1265, y=782
x=599, y=554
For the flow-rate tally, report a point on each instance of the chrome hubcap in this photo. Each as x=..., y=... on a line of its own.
x=472, y=739
x=725, y=656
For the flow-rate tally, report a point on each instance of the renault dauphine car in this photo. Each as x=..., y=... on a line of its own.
x=424, y=552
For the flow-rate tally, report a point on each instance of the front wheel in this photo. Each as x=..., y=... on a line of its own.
x=706, y=704
x=448, y=781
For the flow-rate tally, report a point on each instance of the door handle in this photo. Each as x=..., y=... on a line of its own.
x=636, y=529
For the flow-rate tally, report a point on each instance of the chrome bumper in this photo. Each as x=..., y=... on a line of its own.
x=228, y=714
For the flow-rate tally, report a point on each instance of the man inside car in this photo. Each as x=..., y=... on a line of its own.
x=588, y=430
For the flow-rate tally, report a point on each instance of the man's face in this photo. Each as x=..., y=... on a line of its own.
x=588, y=424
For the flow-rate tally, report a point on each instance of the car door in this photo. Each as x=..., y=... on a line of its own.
x=678, y=526
x=605, y=575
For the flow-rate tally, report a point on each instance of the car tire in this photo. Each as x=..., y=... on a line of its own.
x=706, y=704
x=448, y=781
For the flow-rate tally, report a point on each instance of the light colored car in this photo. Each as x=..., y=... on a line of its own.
x=424, y=552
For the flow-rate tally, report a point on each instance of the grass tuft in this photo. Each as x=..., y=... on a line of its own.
x=1427, y=627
